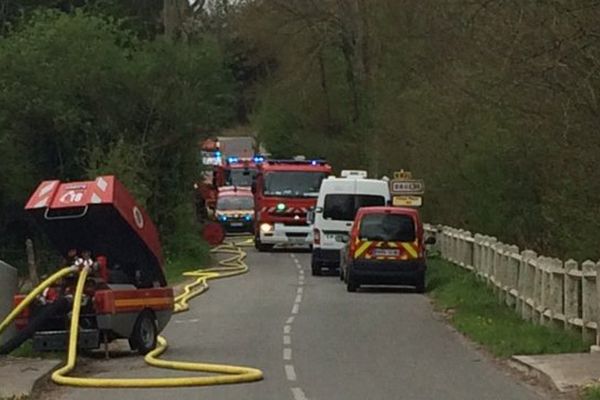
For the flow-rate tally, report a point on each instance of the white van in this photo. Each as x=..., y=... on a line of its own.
x=338, y=201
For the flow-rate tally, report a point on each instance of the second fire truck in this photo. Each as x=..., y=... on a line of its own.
x=284, y=191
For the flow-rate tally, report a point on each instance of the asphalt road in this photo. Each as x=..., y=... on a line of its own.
x=313, y=340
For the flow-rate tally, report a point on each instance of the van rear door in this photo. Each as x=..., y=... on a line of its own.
x=387, y=236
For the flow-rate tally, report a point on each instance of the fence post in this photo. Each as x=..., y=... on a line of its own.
x=526, y=284
x=469, y=251
x=512, y=275
x=588, y=300
x=597, y=308
x=537, y=289
x=557, y=279
x=572, y=293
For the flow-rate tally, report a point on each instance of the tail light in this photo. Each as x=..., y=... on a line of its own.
x=21, y=320
x=352, y=248
x=316, y=236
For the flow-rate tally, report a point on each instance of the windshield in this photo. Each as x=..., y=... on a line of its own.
x=343, y=207
x=293, y=183
x=240, y=177
x=235, y=203
x=387, y=227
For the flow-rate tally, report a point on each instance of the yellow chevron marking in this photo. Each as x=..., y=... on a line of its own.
x=410, y=249
x=363, y=247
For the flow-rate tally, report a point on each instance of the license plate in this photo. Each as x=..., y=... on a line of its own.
x=236, y=224
x=386, y=252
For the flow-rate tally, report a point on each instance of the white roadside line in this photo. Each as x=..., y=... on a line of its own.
x=298, y=394
x=290, y=372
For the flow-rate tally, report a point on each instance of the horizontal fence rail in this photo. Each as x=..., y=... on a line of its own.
x=540, y=289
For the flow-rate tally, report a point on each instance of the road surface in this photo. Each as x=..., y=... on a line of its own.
x=313, y=340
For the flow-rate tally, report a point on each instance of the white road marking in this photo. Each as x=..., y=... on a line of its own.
x=290, y=372
x=293, y=256
x=300, y=283
x=290, y=320
x=298, y=298
x=287, y=329
x=186, y=321
x=301, y=272
x=287, y=353
x=287, y=339
x=298, y=394
x=295, y=309
x=300, y=290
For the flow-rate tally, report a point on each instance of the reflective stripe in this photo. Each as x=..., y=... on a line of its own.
x=363, y=247
x=410, y=249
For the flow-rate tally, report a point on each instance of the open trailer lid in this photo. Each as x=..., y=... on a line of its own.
x=102, y=217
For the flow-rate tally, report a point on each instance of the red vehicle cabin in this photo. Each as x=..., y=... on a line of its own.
x=385, y=247
x=126, y=295
x=284, y=191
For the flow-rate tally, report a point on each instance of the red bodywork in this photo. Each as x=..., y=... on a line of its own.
x=296, y=207
x=418, y=246
x=99, y=219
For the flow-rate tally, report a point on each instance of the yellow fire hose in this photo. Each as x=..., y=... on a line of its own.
x=227, y=374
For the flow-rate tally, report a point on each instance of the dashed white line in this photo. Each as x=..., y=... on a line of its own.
x=301, y=272
x=290, y=372
x=290, y=320
x=287, y=329
x=300, y=290
x=287, y=339
x=287, y=353
x=298, y=298
x=298, y=394
x=295, y=309
x=187, y=321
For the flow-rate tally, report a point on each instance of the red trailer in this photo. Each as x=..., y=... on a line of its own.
x=98, y=223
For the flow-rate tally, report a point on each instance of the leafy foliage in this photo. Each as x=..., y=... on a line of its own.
x=82, y=95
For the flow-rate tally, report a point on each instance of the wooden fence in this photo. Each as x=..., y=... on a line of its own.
x=541, y=289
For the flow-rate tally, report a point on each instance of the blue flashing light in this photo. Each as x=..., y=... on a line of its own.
x=248, y=217
x=313, y=162
x=218, y=154
x=232, y=159
x=223, y=218
x=258, y=159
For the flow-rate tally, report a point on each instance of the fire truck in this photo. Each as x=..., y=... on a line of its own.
x=284, y=191
x=224, y=169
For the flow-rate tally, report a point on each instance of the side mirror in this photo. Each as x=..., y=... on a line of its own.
x=310, y=216
x=430, y=240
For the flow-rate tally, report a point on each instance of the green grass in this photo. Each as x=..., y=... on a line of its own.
x=475, y=311
x=591, y=393
x=26, y=350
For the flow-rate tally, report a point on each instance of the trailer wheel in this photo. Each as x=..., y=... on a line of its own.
x=143, y=337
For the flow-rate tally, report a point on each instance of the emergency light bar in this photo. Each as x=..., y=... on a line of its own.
x=297, y=162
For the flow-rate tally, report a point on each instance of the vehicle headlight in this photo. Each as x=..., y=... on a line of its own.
x=266, y=228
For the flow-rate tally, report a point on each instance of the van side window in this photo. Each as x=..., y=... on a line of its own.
x=387, y=227
x=343, y=207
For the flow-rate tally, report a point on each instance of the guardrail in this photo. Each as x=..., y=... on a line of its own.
x=541, y=289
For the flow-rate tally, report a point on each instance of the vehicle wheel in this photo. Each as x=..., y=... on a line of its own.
x=260, y=246
x=143, y=337
x=351, y=284
x=420, y=284
x=315, y=267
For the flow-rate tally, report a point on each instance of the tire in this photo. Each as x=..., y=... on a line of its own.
x=351, y=284
x=420, y=284
x=34, y=324
x=143, y=337
x=315, y=267
x=262, y=247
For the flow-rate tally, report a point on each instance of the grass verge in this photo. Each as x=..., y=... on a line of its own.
x=591, y=393
x=475, y=311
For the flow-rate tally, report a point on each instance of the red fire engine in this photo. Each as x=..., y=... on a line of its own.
x=284, y=191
